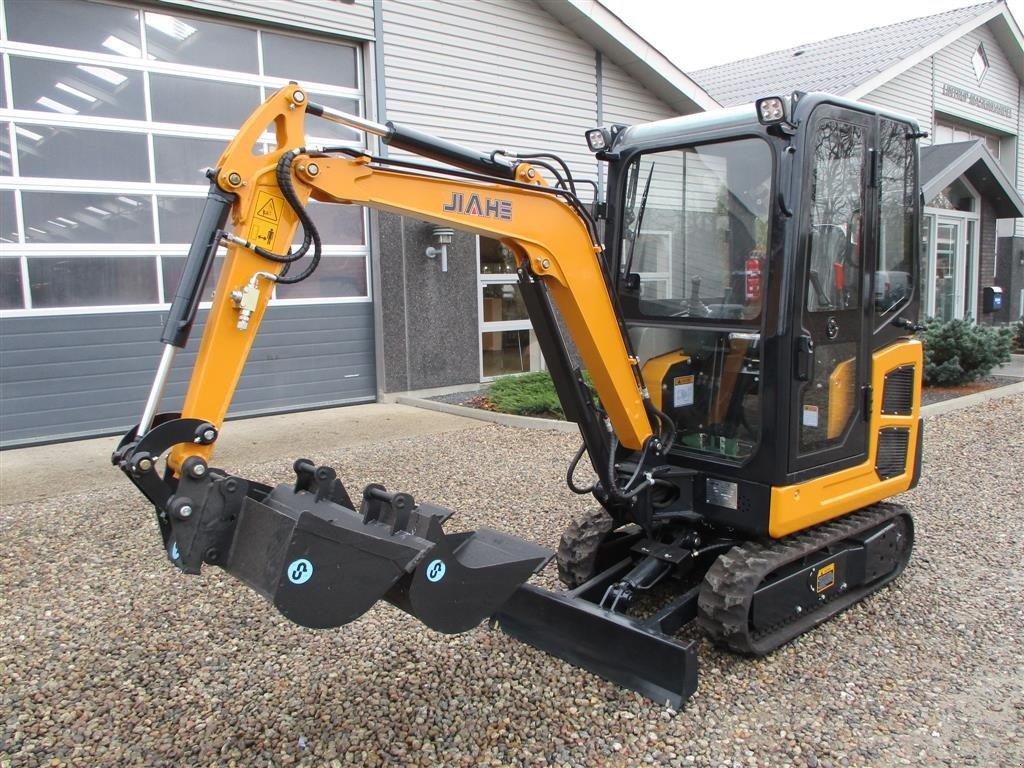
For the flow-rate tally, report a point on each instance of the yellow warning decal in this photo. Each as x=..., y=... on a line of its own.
x=682, y=391
x=269, y=206
x=825, y=578
x=262, y=233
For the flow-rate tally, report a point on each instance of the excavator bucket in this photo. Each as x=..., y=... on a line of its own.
x=323, y=564
x=322, y=561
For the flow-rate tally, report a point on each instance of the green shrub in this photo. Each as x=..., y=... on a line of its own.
x=527, y=394
x=960, y=351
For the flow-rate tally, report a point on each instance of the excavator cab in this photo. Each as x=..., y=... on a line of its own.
x=764, y=268
x=745, y=325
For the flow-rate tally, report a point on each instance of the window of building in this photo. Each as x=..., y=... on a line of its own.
x=507, y=342
x=980, y=62
x=109, y=113
x=948, y=132
x=956, y=197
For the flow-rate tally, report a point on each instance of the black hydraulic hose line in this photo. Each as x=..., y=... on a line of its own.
x=627, y=491
x=284, y=181
x=572, y=471
x=592, y=183
x=554, y=172
x=668, y=436
x=311, y=236
x=613, y=489
x=557, y=159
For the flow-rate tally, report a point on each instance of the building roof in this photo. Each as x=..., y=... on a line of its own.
x=941, y=164
x=855, y=64
x=593, y=22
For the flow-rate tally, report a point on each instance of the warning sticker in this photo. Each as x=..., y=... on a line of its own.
x=825, y=578
x=269, y=206
x=682, y=391
x=810, y=415
x=262, y=233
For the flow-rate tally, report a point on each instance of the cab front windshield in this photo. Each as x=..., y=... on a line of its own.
x=696, y=229
x=692, y=284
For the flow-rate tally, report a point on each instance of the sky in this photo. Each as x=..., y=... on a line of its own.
x=728, y=30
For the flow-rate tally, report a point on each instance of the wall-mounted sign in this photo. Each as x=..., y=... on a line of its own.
x=976, y=100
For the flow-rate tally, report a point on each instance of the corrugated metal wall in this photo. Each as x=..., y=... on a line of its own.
x=352, y=18
x=626, y=101
x=491, y=74
x=69, y=375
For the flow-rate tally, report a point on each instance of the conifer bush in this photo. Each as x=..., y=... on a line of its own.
x=528, y=394
x=957, y=352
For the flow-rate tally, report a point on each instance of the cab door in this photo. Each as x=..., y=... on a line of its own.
x=831, y=331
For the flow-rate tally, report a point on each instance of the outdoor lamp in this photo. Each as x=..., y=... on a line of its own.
x=443, y=237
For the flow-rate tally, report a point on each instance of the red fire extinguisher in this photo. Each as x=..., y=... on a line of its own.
x=752, y=282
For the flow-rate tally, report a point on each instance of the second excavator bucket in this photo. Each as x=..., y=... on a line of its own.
x=323, y=563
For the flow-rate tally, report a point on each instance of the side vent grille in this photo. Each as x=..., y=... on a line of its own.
x=898, y=394
x=891, y=460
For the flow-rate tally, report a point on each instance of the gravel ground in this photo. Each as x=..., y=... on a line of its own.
x=110, y=657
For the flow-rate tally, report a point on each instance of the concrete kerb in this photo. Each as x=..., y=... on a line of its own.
x=505, y=419
x=956, y=403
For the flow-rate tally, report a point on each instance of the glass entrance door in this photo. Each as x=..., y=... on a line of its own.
x=507, y=341
x=948, y=270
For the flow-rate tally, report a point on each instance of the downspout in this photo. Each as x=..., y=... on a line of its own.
x=599, y=77
x=380, y=110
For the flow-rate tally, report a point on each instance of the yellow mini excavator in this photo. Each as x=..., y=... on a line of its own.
x=748, y=328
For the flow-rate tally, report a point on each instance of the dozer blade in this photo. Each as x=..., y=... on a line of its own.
x=638, y=654
x=323, y=564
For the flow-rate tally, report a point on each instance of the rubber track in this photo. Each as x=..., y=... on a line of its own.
x=729, y=585
x=577, y=549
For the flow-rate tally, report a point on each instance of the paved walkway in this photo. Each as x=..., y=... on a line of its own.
x=1013, y=368
x=82, y=465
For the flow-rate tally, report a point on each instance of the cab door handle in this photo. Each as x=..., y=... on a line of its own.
x=804, y=358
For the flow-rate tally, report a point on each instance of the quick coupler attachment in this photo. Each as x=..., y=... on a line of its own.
x=322, y=563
